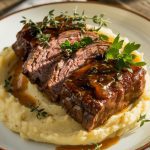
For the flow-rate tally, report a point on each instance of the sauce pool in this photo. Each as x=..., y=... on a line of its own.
x=103, y=145
x=20, y=84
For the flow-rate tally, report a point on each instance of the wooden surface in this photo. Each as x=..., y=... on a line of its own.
x=5, y=5
x=141, y=7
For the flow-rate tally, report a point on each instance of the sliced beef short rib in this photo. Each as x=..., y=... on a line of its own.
x=87, y=87
x=95, y=92
x=64, y=68
x=48, y=67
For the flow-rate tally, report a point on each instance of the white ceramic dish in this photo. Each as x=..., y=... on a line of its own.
x=126, y=23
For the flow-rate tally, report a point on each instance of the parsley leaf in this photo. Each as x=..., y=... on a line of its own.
x=69, y=48
x=124, y=59
x=103, y=37
x=99, y=19
x=86, y=41
x=130, y=47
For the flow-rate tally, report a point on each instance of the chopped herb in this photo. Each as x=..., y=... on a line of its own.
x=76, y=21
x=143, y=120
x=69, y=48
x=124, y=59
x=103, y=37
x=7, y=84
x=86, y=41
x=40, y=112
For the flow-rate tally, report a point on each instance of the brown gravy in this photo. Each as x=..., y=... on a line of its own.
x=20, y=84
x=105, y=144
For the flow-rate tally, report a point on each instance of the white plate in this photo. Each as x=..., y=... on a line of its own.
x=124, y=22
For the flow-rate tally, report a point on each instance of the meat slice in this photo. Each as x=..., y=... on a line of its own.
x=96, y=91
x=23, y=45
x=41, y=61
x=89, y=88
x=26, y=41
x=65, y=67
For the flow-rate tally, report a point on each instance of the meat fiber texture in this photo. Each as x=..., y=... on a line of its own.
x=104, y=94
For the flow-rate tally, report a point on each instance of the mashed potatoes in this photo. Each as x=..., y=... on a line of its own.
x=58, y=127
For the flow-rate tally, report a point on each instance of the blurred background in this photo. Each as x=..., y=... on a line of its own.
x=141, y=7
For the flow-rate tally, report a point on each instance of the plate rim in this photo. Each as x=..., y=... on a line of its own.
x=69, y=2
x=73, y=2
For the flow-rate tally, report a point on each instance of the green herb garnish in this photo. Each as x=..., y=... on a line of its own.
x=75, y=21
x=124, y=59
x=69, y=48
x=40, y=112
x=7, y=84
x=38, y=30
x=143, y=120
x=103, y=37
x=100, y=21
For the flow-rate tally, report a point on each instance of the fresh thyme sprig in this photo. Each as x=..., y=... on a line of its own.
x=143, y=120
x=7, y=84
x=99, y=19
x=69, y=48
x=61, y=22
x=50, y=20
x=38, y=30
x=124, y=59
x=40, y=112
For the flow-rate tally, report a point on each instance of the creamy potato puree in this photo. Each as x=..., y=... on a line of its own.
x=58, y=127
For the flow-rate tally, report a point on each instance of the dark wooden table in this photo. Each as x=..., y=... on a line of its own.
x=141, y=7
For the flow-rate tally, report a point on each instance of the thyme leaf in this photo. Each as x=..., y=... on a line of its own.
x=143, y=120
x=75, y=21
x=40, y=112
x=7, y=84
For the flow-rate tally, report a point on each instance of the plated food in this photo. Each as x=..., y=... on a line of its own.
x=67, y=83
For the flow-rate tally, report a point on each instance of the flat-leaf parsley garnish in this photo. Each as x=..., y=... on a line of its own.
x=103, y=37
x=125, y=58
x=69, y=48
x=143, y=120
